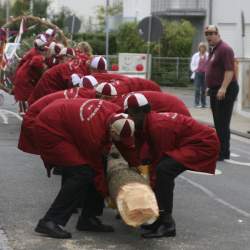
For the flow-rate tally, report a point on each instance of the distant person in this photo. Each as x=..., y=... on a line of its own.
x=197, y=66
x=222, y=86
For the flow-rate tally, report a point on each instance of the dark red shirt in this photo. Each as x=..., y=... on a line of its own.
x=220, y=59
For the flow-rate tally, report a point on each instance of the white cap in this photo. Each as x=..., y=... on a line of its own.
x=89, y=82
x=40, y=41
x=55, y=48
x=122, y=125
x=50, y=32
x=99, y=63
x=135, y=100
x=106, y=89
x=67, y=52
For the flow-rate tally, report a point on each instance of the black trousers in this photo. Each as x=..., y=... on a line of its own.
x=78, y=186
x=222, y=113
x=166, y=172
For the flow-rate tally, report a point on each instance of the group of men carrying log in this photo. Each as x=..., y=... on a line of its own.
x=77, y=111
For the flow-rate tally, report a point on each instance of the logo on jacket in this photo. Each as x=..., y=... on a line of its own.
x=89, y=109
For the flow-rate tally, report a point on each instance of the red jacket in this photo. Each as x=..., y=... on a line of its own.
x=190, y=143
x=108, y=77
x=125, y=84
x=82, y=59
x=27, y=77
x=27, y=57
x=138, y=84
x=54, y=79
x=76, y=133
x=159, y=101
x=27, y=139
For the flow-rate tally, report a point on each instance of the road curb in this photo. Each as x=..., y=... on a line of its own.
x=235, y=132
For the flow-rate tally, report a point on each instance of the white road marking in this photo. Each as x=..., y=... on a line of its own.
x=4, y=114
x=215, y=197
x=4, y=117
x=4, y=241
x=234, y=155
x=217, y=172
x=238, y=162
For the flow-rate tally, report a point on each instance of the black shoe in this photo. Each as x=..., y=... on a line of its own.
x=152, y=226
x=165, y=227
x=162, y=231
x=92, y=224
x=51, y=229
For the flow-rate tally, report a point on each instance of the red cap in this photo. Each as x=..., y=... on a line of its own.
x=66, y=52
x=99, y=63
x=50, y=32
x=88, y=82
x=135, y=100
x=106, y=89
x=41, y=42
x=123, y=125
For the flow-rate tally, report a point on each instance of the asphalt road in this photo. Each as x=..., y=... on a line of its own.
x=211, y=212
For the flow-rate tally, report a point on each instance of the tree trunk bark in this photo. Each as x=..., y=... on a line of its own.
x=130, y=191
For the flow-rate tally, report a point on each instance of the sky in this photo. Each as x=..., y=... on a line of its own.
x=83, y=8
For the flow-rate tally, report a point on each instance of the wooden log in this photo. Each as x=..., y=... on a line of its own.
x=131, y=193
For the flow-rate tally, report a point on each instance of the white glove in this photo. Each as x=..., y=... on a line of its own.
x=76, y=80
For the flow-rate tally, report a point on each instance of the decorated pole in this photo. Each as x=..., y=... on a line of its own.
x=131, y=193
x=26, y=23
x=38, y=21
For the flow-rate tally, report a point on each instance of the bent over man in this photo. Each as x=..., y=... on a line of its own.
x=74, y=135
x=177, y=143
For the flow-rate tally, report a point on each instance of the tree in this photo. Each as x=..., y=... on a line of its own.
x=97, y=41
x=40, y=8
x=2, y=13
x=60, y=18
x=113, y=10
x=177, y=38
x=128, y=39
x=20, y=7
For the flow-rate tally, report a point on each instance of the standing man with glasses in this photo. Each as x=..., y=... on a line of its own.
x=222, y=86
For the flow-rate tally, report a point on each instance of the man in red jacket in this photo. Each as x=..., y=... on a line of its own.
x=177, y=143
x=40, y=48
x=55, y=79
x=159, y=102
x=125, y=84
x=26, y=79
x=74, y=135
x=27, y=138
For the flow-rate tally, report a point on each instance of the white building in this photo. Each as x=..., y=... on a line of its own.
x=136, y=10
x=226, y=14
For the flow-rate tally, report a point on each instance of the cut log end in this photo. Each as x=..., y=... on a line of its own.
x=137, y=204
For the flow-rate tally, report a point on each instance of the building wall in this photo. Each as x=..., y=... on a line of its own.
x=226, y=14
x=136, y=9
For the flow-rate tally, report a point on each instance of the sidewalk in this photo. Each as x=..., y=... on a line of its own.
x=239, y=124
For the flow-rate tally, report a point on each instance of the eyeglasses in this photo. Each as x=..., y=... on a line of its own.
x=210, y=33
